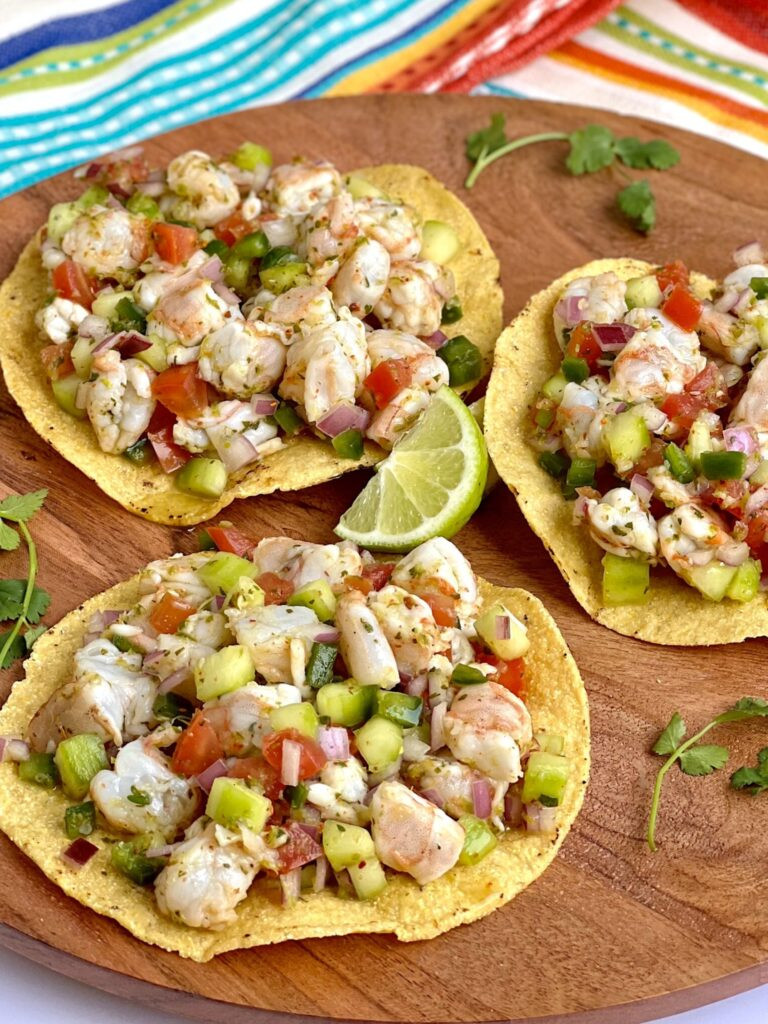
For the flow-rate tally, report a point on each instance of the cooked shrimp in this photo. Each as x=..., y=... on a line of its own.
x=413, y=835
x=692, y=536
x=440, y=559
x=485, y=727
x=268, y=633
x=301, y=309
x=409, y=627
x=108, y=242
x=450, y=781
x=362, y=277
x=206, y=627
x=341, y=791
x=188, y=313
x=389, y=424
x=119, y=400
x=659, y=359
x=393, y=225
x=414, y=297
x=428, y=370
x=599, y=299
x=326, y=235
x=581, y=418
x=621, y=525
x=242, y=358
x=298, y=187
x=729, y=337
x=60, y=319
x=302, y=562
x=176, y=655
x=241, y=718
x=206, y=192
x=669, y=490
x=752, y=408
x=108, y=695
x=142, y=793
x=155, y=283
x=176, y=575
x=206, y=877
x=363, y=643
x=237, y=433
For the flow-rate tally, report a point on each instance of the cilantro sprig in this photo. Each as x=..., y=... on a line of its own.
x=590, y=149
x=697, y=758
x=21, y=602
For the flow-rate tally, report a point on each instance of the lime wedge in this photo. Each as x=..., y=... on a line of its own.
x=428, y=486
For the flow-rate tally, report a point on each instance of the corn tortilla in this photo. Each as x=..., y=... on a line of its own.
x=304, y=461
x=33, y=817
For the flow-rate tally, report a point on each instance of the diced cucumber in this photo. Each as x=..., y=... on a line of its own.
x=250, y=155
x=626, y=437
x=134, y=863
x=504, y=634
x=699, y=441
x=78, y=759
x=143, y=205
x=643, y=292
x=82, y=358
x=65, y=392
x=550, y=742
x=368, y=879
x=80, y=819
x=555, y=386
x=156, y=355
x=106, y=301
x=439, y=242
x=301, y=717
x=318, y=596
x=546, y=776
x=625, y=581
x=232, y=802
x=380, y=742
x=40, y=769
x=347, y=703
x=280, y=278
x=319, y=672
x=479, y=839
x=206, y=478
x=760, y=476
x=223, y=671
x=223, y=572
x=361, y=188
x=401, y=708
x=712, y=580
x=746, y=582
x=346, y=845
x=61, y=217
x=247, y=594
x=93, y=194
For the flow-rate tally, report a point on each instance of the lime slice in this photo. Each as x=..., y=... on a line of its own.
x=428, y=486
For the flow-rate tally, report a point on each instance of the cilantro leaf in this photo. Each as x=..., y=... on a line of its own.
x=703, y=759
x=638, y=205
x=592, y=148
x=487, y=140
x=12, y=601
x=16, y=649
x=656, y=153
x=139, y=797
x=21, y=507
x=9, y=539
x=33, y=635
x=671, y=737
x=747, y=707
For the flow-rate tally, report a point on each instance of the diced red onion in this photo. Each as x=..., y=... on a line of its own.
x=501, y=627
x=107, y=343
x=115, y=189
x=12, y=749
x=92, y=326
x=726, y=302
x=433, y=796
x=226, y=293
x=146, y=644
x=343, y=416
x=214, y=771
x=545, y=442
x=436, y=340
x=156, y=175
x=152, y=657
x=263, y=405
x=436, y=726
x=234, y=450
x=326, y=635
x=78, y=854
x=743, y=302
x=313, y=831
x=173, y=680
x=513, y=808
x=482, y=798
x=750, y=252
x=290, y=883
x=613, y=337
x=335, y=742
x=642, y=488
x=289, y=773
x=757, y=500
x=218, y=602
x=740, y=439
x=213, y=269
x=733, y=552
x=654, y=418
x=569, y=309
x=161, y=851
x=539, y=818
x=151, y=188
x=279, y=231
x=321, y=874
x=580, y=508
x=131, y=343
x=416, y=686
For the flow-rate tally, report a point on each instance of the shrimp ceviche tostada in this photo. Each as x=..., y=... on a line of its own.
x=224, y=328
x=228, y=751
x=628, y=409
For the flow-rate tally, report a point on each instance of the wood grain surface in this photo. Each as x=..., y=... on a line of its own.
x=610, y=932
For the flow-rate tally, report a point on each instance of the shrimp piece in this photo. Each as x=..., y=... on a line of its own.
x=669, y=490
x=742, y=276
x=108, y=695
x=188, y=313
x=727, y=336
x=241, y=718
x=194, y=439
x=300, y=310
x=206, y=627
x=450, y=781
x=363, y=643
x=752, y=408
x=327, y=367
x=243, y=358
x=119, y=400
x=341, y=791
x=326, y=236
x=693, y=536
x=414, y=297
x=393, y=225
x=620, y=525
x=206, y=877
x=237, y=433
x=162, y=801
x=599, y=299
x=398, y=416
x=268, y=633
x=150, y=287
x=206, y=193
x=428, y=370
x=297, y=187
x=301, y=562
x=60, y=319
x=440, y=560
x=176, y=655
x=409, y=627
x=485, y=727
x=659, y=359
x=108, y=242
x=412, y=835
x=362, y=278
x=176, y=575
x=580, y=420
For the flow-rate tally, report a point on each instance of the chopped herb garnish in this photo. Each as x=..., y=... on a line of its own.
x=20, y=600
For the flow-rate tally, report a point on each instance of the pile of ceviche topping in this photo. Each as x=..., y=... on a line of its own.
x=201, y=314
x=657, y=425
x=307, y=714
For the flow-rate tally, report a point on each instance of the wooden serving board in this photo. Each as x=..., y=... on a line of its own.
x=610, y=933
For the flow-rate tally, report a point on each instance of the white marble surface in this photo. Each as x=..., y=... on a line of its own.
x=32, y=993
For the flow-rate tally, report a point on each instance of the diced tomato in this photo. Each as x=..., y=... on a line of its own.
x=174, y=243
x=312, y=755
x=170, y=455
x=361, y=583
x=672, y=274
x=440, y=596
x=197, y=747
x=181, y=390
x=71, y=282
x=583, y=344
x=276, y=590
x=388, y=379
x=227, y=538
x=300, y=849
x=509, y=674
x=257, y=769
x=57, y=360
x=682, y=308
x=169, y=613
x=233, y=228
x=707, y=390
x=119, y=176
x=652, y=456
x=378, y=573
